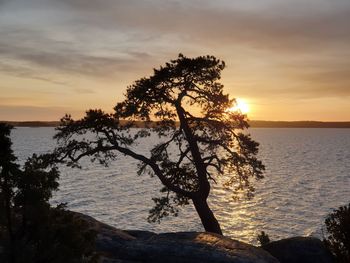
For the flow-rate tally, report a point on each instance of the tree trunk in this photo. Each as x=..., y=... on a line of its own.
x=210, y=223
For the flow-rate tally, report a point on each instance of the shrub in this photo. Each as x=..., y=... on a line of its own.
x=30, y=230
x=60, y=237
x=338, y=233
x=263, y=238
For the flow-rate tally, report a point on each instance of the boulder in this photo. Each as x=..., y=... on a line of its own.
x=299, y=250
x=117, y=246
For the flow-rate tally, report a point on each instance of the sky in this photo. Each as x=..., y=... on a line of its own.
x=287, y=59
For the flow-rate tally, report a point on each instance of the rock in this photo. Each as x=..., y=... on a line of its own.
x=299, y=250
x=117, y=246
x=187, y=247
x=140, y=234
x=110, y=260
x=198, y=247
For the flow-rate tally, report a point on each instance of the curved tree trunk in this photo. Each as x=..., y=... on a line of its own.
x=207, y=217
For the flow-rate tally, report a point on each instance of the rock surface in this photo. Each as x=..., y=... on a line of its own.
x=117, y=246
x=133, y=246
x=299, y=250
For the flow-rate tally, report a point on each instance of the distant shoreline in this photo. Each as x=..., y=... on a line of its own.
x=298, y=124
x=253, y=124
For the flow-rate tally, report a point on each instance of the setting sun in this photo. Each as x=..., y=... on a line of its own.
x=240, y=106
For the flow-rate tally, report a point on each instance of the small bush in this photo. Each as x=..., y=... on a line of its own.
x=263, y=238
x=31, y=231
x=338, y=233
x=60, y=237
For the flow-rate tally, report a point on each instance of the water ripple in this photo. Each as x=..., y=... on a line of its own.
x=308, y=175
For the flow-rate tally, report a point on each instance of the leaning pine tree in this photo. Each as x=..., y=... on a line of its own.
x=199, y=138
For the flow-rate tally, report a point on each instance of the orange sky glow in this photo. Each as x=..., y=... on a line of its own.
x=287, y=60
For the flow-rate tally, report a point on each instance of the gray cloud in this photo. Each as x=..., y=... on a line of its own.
x=33, y=47
x=128, y=34
x=26, y=72
x=297, y=25
x=291, y=25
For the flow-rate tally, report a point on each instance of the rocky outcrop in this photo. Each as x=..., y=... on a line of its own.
x=117, y=246
x=299, y=250
x=132, y=246
x=192, y=247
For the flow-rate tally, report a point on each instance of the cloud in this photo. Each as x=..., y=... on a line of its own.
x=294, y=25
x=3, y=1
x=29, y=73
x=48, y=53
x=266, y=24
x=104, y=38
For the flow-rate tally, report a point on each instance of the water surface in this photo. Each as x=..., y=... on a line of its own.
x=307, y=175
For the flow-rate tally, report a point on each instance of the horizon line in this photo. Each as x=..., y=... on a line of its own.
x=252, y=124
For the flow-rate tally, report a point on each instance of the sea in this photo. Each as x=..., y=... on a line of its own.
x=307, y=176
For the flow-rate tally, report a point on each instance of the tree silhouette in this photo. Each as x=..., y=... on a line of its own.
x=9, y=171
x=199, y=138
x=30, y=230
x=337, y=237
